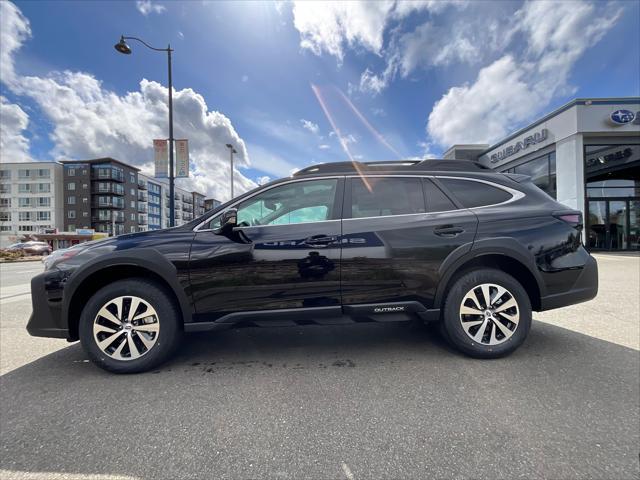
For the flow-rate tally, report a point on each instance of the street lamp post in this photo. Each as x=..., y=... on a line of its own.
x=122, y=47
x=231, y=152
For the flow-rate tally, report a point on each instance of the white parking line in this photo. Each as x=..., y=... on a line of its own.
x=347, y=471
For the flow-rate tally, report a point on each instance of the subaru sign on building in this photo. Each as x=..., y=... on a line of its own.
x=586, y=154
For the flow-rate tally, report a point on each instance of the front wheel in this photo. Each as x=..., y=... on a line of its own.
x=487, y=314
x=130, y=326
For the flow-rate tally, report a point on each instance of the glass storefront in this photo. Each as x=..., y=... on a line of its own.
x=542, y=171
x=613, y=196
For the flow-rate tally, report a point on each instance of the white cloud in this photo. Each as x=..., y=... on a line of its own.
x=89, y=120
x=324, y=146
x=14, y=146
x=245, y=78
x=309, y=125
x=508, y=91
x=145, y=7
x=14, y=30
x=263, y=180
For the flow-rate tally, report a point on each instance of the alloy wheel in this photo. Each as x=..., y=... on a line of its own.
x=489, y=314
x=126, y=328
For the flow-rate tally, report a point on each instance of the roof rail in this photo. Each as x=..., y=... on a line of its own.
x=395, y=165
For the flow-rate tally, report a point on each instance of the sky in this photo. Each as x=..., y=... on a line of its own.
x=291, y=84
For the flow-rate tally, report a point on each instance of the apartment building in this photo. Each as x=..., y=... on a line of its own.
x=211, y=203
x=101, y=194
x=29, y=200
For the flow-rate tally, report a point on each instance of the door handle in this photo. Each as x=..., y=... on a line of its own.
x=320, y=241
x=448, y=231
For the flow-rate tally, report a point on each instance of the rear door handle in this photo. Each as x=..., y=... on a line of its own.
x=448, y=231
x=320, y=241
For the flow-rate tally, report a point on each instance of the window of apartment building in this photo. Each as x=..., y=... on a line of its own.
x=44, y=173
x=5, y=202
x=25, y=216
x=5, y=174
x=44, y=201
x=71, y=227
x=85, y=186
x=71, y=186
x=104, y=215
x=133, y=191
x=85, y=214
x=85, y=199
x=71, y=214
x=133, y=217
x=26, y=228
x=24, y=202
x=24, y=173
x=132, y=177
x=44, y=187
x=24, y=188
x=43, y=216
x=133, y=204
x=5, y=188
x=71, y=200
x=5, y=216
x=5, y=228
x=71, y=172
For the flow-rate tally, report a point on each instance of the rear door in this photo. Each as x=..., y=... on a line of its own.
x=397, y=231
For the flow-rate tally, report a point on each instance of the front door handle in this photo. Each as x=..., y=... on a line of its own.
x=448, y=231
x=320, y=241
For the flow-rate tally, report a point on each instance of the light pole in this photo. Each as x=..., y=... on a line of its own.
x=231, y=152
x=122, y=47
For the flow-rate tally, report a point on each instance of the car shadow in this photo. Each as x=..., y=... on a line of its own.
x=61, y=414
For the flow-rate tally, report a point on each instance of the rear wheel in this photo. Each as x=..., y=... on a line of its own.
x=130, y=326
x=487, y=314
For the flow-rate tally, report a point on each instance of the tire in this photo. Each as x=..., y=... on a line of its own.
x=505, y=324
x=154, y=329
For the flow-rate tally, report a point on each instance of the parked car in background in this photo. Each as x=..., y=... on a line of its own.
x=31, y=248
x=439, y=241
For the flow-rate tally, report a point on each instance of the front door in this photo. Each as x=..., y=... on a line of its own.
x=284, y=253
x=397, y=231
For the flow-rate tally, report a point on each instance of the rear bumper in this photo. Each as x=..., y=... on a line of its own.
x=45, y=320
x=584, y=289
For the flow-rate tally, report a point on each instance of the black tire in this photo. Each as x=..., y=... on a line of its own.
x=456, y=335
x=168, y=317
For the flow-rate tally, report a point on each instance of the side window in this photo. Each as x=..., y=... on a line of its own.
x=375, y=196
x=475, y=194
x=297, y=202
x=437, y=201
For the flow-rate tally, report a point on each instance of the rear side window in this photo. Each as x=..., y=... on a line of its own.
x=377, y=196
x=475, y=194
x=436, y=200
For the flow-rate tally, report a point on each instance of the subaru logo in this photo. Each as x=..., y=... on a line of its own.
x=622, y=117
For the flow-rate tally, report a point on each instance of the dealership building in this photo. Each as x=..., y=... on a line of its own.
x=586, y=154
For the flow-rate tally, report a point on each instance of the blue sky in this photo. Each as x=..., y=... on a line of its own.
x=398, y=79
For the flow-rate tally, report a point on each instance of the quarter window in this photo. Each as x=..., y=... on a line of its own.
x=375, y=197
x=475, y=194
x=436, y=200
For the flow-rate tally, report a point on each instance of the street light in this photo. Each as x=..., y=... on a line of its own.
x=231, y=152
x=124, y=48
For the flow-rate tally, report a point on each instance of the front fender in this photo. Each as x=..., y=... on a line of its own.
x=147, y=258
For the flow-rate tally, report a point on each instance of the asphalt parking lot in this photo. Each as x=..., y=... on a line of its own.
x=354, y=402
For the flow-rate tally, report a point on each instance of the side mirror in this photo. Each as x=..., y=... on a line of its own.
x=228, y=220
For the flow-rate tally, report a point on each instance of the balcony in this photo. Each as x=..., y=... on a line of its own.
x=186, y=199
x=142, y=208
x=108, y=202
x=107, y=216
x=142, y=220
x=108, y=187
x=143, y=197
x=187, y=208
x=107, y=174
x=142, y=185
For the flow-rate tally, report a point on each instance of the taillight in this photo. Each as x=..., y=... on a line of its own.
x=572, y=218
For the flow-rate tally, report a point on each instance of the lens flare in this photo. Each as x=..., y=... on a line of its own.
x=336, y=130
x=366, y=123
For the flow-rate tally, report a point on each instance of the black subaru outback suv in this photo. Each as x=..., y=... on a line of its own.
x=436, y=240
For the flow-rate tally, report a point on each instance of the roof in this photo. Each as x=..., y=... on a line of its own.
x=430, y=165
x=101, y=160
x=566, y=106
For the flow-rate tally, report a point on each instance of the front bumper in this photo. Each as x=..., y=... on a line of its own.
x=584, y=288
x=46, y=318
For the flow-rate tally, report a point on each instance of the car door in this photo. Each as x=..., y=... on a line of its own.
x=284, y=253
x=397, y=231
